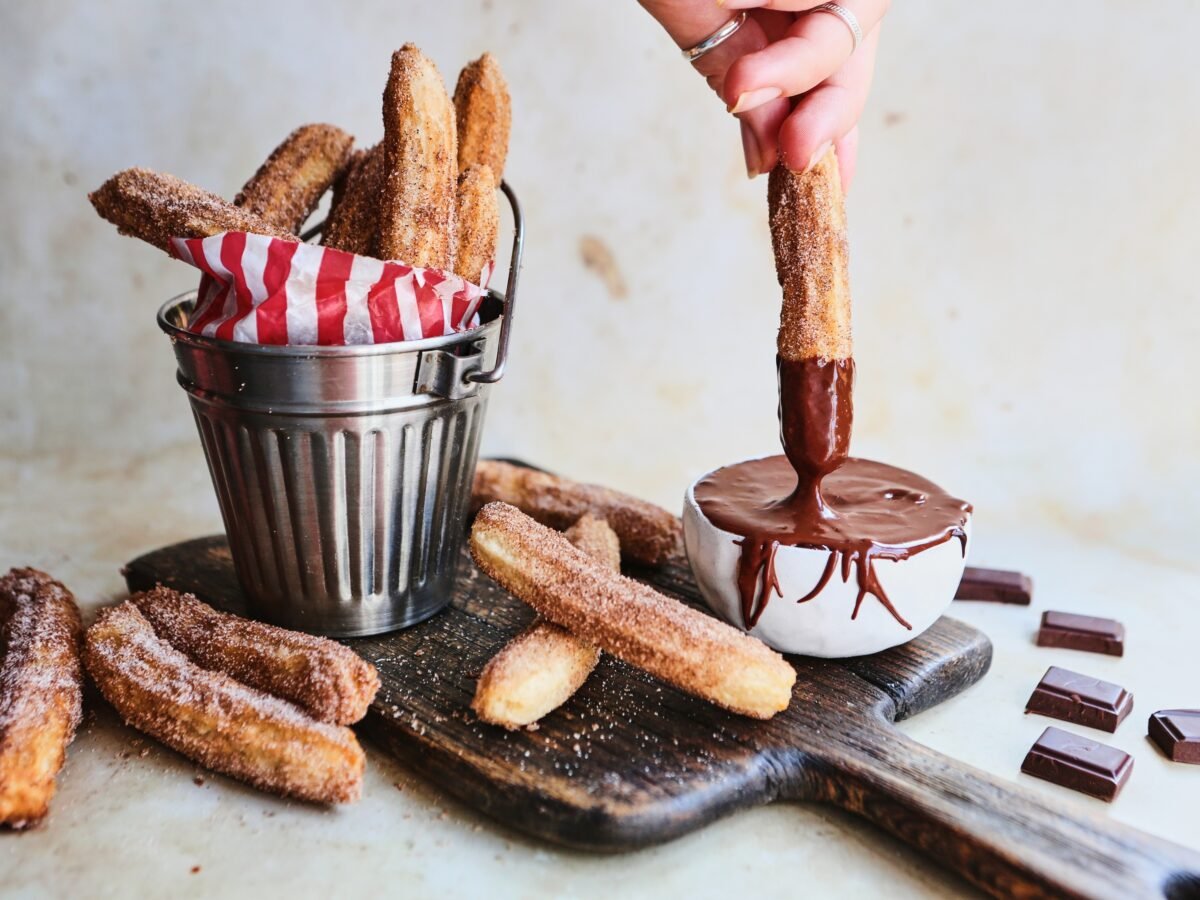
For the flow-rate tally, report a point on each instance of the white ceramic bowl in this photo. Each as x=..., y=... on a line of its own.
x=920, y=587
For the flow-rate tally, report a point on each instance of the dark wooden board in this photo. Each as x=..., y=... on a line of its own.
x=630, y=761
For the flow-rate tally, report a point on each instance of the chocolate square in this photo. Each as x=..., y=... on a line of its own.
x=1063, y=694
x=995, y=585
x=1177, y=733
x=1076, y=632
x=1078, y=763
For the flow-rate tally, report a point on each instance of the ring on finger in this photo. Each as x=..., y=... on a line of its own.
x=717, y=38
x=848, y=18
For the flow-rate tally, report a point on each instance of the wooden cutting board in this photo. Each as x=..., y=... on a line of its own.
x=630, y=761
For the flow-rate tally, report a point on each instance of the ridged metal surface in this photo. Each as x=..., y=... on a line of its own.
x=345, y=512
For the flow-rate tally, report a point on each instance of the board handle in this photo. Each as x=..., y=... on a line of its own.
x=1001, y=837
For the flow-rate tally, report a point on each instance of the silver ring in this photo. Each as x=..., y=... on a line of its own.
x=846, y=16
x=716, y=39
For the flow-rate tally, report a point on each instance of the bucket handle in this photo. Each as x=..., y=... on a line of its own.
x=496, y=372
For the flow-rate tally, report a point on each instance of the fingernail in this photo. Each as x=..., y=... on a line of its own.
x=750, y=149
x=749, y=100
x=818, y=156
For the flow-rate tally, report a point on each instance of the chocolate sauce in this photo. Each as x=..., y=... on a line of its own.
x=816, y=410
x=815, y=496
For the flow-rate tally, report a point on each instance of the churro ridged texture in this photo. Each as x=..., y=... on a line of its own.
x=416, y=223
x=483, y=111
x=328, y=681
x=353, y=219
x=216, y=721
x=157, y=207
x=287, y=187
x=808, y=232
x=542, y=667
x=478, y=222
x=647, y=533
x=41, y=691
x=682, y=646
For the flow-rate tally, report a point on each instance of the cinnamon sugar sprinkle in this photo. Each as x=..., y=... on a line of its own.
x=215, y=720
x=41, y=682
x=327, y=680
x=157, y=207
x=288, y=186
x=808, y=232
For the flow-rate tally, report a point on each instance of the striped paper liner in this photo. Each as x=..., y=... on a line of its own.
x=263, y=290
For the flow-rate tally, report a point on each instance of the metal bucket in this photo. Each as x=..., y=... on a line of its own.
x=344, y=473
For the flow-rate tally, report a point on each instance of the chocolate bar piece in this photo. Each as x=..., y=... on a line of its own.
x=1063, y=694
x=1177, y=733
x=995, y=585
x=1075, y=632
x=1079, y=764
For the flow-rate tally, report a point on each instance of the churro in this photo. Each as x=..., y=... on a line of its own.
x=416, y=221
x=542, y=667
x=680, y=645
x=217, y=721
x=483, y=112
x=328, y=681
x=157, y=207
x=478, y=222
x=354, y=213
x=289, y=185
x=808, y=232
x=648, y=533
x=41, y=691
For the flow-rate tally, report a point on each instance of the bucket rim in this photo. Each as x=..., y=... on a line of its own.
x=306, y=351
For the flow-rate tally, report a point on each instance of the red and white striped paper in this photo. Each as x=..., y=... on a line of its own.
x=263, y=290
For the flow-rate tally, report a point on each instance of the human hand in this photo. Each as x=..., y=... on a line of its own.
x=784, y=51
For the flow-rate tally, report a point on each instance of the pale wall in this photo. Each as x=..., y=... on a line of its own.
x=1024, y=233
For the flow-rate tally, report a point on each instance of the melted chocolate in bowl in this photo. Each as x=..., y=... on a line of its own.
x=817, y=497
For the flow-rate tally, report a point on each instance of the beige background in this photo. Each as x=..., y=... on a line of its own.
x=1024, y=244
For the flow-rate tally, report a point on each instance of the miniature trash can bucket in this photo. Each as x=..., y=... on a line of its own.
x=344, y=473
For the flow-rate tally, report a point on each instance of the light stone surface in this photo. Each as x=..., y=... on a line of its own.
x=1023, y=231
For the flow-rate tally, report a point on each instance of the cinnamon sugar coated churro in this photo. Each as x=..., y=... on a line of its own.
x=216, y=721
x=287, y=187
x=684, y=647
x=543, y=666
x=808, y=232
x=648, y=533
x=41, y=691
x=483, y=112
x=157, y=207
x=416, y=221
x=354, y=214
x=328, y=681
x=478, y=222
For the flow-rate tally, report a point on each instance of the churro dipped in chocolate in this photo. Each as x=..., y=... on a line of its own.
x=542, y=667
x=157, y=207
x=41, y=691
x=816, y=495
x=353, y=219
x=217, y=721
x=648, y=533
x=816, y=368
x=483, y=111
x=328, y=681
x=289, y=185
x=420, y=151
x=682, y=646
x=478, y=222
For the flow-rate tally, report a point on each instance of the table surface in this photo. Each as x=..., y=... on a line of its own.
x=131, y=815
